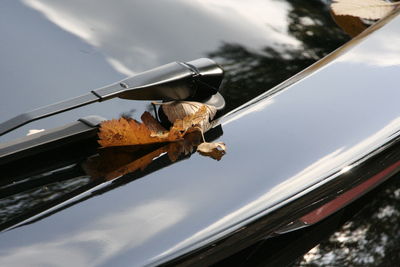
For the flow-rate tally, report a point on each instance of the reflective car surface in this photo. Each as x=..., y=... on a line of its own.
x=297, y=151
x=368, y=238
x=82, y=46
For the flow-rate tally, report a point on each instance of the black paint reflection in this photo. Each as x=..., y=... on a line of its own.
x=24, y=198
x=100, y=44
x=365, y=233
x=250, y=72
x=29, y=198
x=370, y=238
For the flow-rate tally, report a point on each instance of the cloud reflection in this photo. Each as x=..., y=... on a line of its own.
x=260, y=13
x=133, y=41
x=102, y=239
x=242, y=112
x=378, y=52
x=314, y=173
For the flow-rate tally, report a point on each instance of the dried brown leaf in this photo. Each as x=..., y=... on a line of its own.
x=124, y=132
x=152, y=124
x=189, y=123
x=351, y=25
x=367, y=9
x=129, y=145
x=213, y=150
x=180, y=110
x=185, y=146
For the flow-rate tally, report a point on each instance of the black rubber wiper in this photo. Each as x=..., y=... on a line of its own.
x=198, y=79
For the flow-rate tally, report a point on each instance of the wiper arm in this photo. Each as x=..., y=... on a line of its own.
x=197, y=79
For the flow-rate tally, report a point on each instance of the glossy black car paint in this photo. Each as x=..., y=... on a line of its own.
x=321, y=244
x=382, y=160
x=282, y=146
x=85, y=45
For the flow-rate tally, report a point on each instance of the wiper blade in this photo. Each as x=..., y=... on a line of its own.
x=46, y=111
x=197, y=79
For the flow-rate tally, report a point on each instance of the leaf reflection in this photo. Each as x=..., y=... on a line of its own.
x=113, y=162
x=249, y=72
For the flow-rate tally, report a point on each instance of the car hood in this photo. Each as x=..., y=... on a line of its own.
x=54, y=50
x=280, y=145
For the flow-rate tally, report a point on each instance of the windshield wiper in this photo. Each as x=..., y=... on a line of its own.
x=198, y=80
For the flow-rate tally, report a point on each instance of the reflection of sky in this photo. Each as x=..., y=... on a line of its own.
x=103, y=238
x=291, y=141
x=306, y=132
x=196, y=24
x=241, y=113
x=54, y=50
x=371, y=54
x=268, y=19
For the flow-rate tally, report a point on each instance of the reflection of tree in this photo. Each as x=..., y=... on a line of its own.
x=250, y=73
x=370, y=238
x=24, y=201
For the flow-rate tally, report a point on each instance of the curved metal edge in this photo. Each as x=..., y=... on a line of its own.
x=317, y=66
x=269, y=222
x=248, y=231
